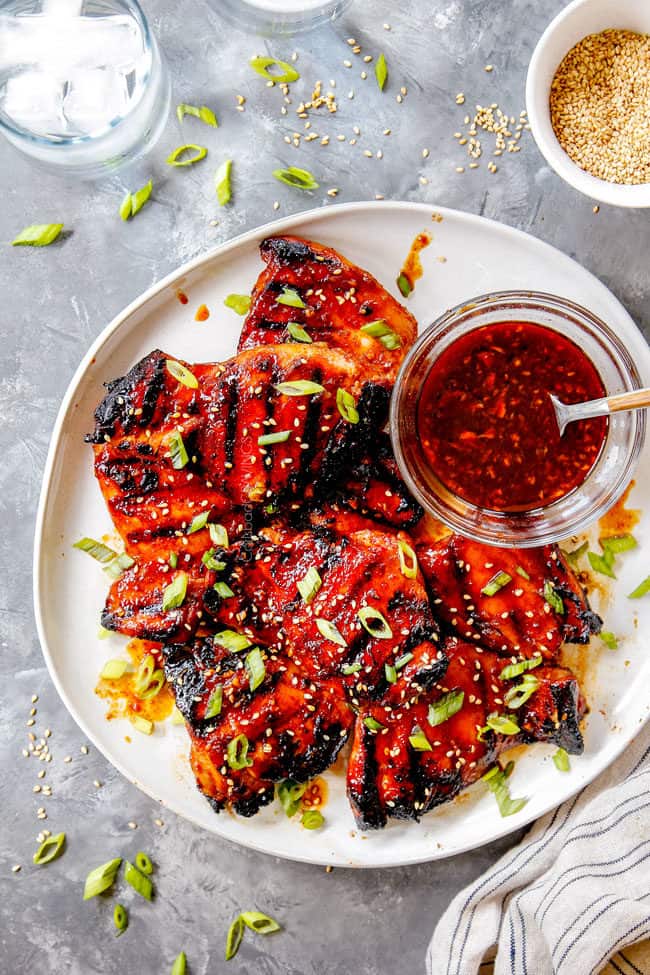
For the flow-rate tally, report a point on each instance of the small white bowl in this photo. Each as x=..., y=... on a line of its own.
x=580, y=18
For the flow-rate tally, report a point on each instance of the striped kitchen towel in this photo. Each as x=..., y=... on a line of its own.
x=572, y=894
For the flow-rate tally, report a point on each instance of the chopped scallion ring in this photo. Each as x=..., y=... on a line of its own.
x=408, y=562
x=347, y=405
x=139, y=881
x=120, y=918
x=237, y=753
x=234, y=937
x=238, y=303
x=290, y=297
x=101, y=878
x=390, y=674
x=518, y=694
x=553, y=598
x=49, y=850
x=144, y=673
x=298, y=333
x=577, y=553
x=501, y=724
x=181, y=373
x=121, y=562
x=299, y=387
x=198, y=522
x=380, y=330
x=300, y=179
x=349, y=669
x=154, y=687
x=419, y=741
x=609, y=639
x=309, y=585
x=256, y=668
x=218, y=535
x=113, y=669
x=375, y=623
x=180, y=157
x=38, y=235
x=497, y=582
x=516, y=670
x=372, y=724
x=177, y=452
x=259, y=923
x=143, y=725
x=289, y=794
x=267, y=439
x=204, y=113
x=143, y=863
x=403, y=660
x=330, y=631
x=616, y=544
x=641, y=590
x=561, y=760
x=174, y=594
x=173, y=560
x=223, y=589
x=215, y=701
x=312, y=819
x=445, y=707
x=209, y=561
x=262, y=65
x=133, y=202
x=232, y=640
x=180, y=964
x=602, y=564
x=381, y=71
x=97, y=550
x=404, y=285
x=522, y=572
x=222, y=182
x=497, y=782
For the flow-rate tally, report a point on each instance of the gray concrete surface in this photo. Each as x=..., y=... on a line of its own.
x=54, y=301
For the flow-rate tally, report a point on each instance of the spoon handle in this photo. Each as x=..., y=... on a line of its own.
x=634, y=400
x=629, y=401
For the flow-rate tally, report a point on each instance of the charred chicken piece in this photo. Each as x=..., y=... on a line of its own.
x=245, y=740
x=334, y=300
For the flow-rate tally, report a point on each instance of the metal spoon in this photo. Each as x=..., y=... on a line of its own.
x=621, y=403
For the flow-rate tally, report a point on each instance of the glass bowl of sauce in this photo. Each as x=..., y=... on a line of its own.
x=473, y=428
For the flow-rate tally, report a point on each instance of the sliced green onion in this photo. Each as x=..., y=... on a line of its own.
x=301, y=179
x=516, y=670
x=198, y=522
x=174, y=593
x=176, y=717
x=347, y=405
x=143, y=863
x=497, y=582
x=267, y=439
x=215, y=701
x=234, y=938
x=256, y=668
x=174, y=159
x=445, y=707
x=204, y=113
x=173, y=560
x=177, y=451
x=404, y=285
x=120, y=918
x=419, y=741
x=144, y=673
x=223, y=589
x=102, y=633
x=290, y=297
x=641, y=590
x=312, y=819
x=298, y=333
x=97, y=550
x=143, y=725
x=553, y=598
x=408, y=562
x=609, y=639
x=497, y=783
x=262, y=65
x=381, y=71
x=372, y=724
x=616, y=544
x=154, y=687
x=518, y=694
x=232, y=640
x=114, y=669
x=390, y=673
x=522, y=572
x=375, y=623
x=290, y=793
x=139, y=881
x=133, y=202
x=299, y=387
x=49, y=850
x=237, y=753
x=101, y=878
x=181, y=373
x=309, y=585
x=380, y=330
x=601, y=563
x=259, y=923
x=330, y=631
x=218, y=535
x=577, y=553
x=403, y=660
x=238, y=303
x=561, y=760
x=349, y=669
x=180, y=964
x=38, y=235
x=118, y=565
x=502, y=724
x=222, y=182
x=210, y=562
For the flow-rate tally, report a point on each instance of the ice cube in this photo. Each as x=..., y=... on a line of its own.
x=58, y=43
x=94, y=99
x=33, y=99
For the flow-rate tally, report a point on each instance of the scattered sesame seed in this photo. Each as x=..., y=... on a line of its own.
x=68, y=758
x=84, y=749
x=596, y=209
x=425, y=153
x=34, y=698
x=97, y=784
x=347, y=64
x=16, y=868
x=132, y=825
x=158, y=822
x=489, y=67
x=276, y=205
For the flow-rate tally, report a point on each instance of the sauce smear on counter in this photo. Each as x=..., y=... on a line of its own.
x=486, y=423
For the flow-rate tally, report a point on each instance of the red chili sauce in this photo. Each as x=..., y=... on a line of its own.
x=486, y=423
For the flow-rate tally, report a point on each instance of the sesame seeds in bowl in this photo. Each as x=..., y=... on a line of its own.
x=588, y=97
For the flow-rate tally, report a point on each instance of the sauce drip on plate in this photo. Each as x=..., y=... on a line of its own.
x=486, y=424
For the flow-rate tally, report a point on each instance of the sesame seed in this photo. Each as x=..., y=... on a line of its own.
x=16, y=868
x=84, y=749
x=132, y=825
x=489, y=67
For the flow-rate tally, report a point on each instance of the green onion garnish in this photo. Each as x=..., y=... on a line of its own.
x=380, y=330
x=177, y=451
x=290, y=793
x=222, y=183
x=497, y=582
x=38, y=235
x=223, y=589
x=180, y=964
x=120, y=918
x=312, y=819
x=101, y=878
x=102, y=632
x=497, y=783
x=98, y=551
x=404, y=285
x=154, y=687
x=516, y=670
x=299, y=387
x=502, y=724
x=349, y=669
x=198, y=522
x=290, y=297
x=445, y=707
x=49, y=850
x=209, y=561
x=121, y=562
x=238, y=303
x=330, y=632
x=298, y=333
x=218, y=535
x=408, y=563
x=259, y=923
x=181, y=373
x=237, y=753
x=143, y=863
x=609, y=639
x=181, y=157
x=232, y=640
x=174, y=593
x=616, y=544
x=204, y=113
x=403, y=660
x=518, y=694
x=256, y=668
x=144, y=673
x=139, y=881
x=577, y=553
x=553, y=598
x=561, y=760
x=372, y=724
x=301, y=179
x=143, y=725
x=309, y=585
x=215, y=701
x=641, y=590
x=133, y=202
x=381, y=71
x=375, y=623
x=601, y=563
x=173, y=560
x=347, y=405
x=262, y=65
x=113, y=669
x=390, y=673
x=419, y=741
x=234, y=937
x=522, y=572
x=267, y=439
